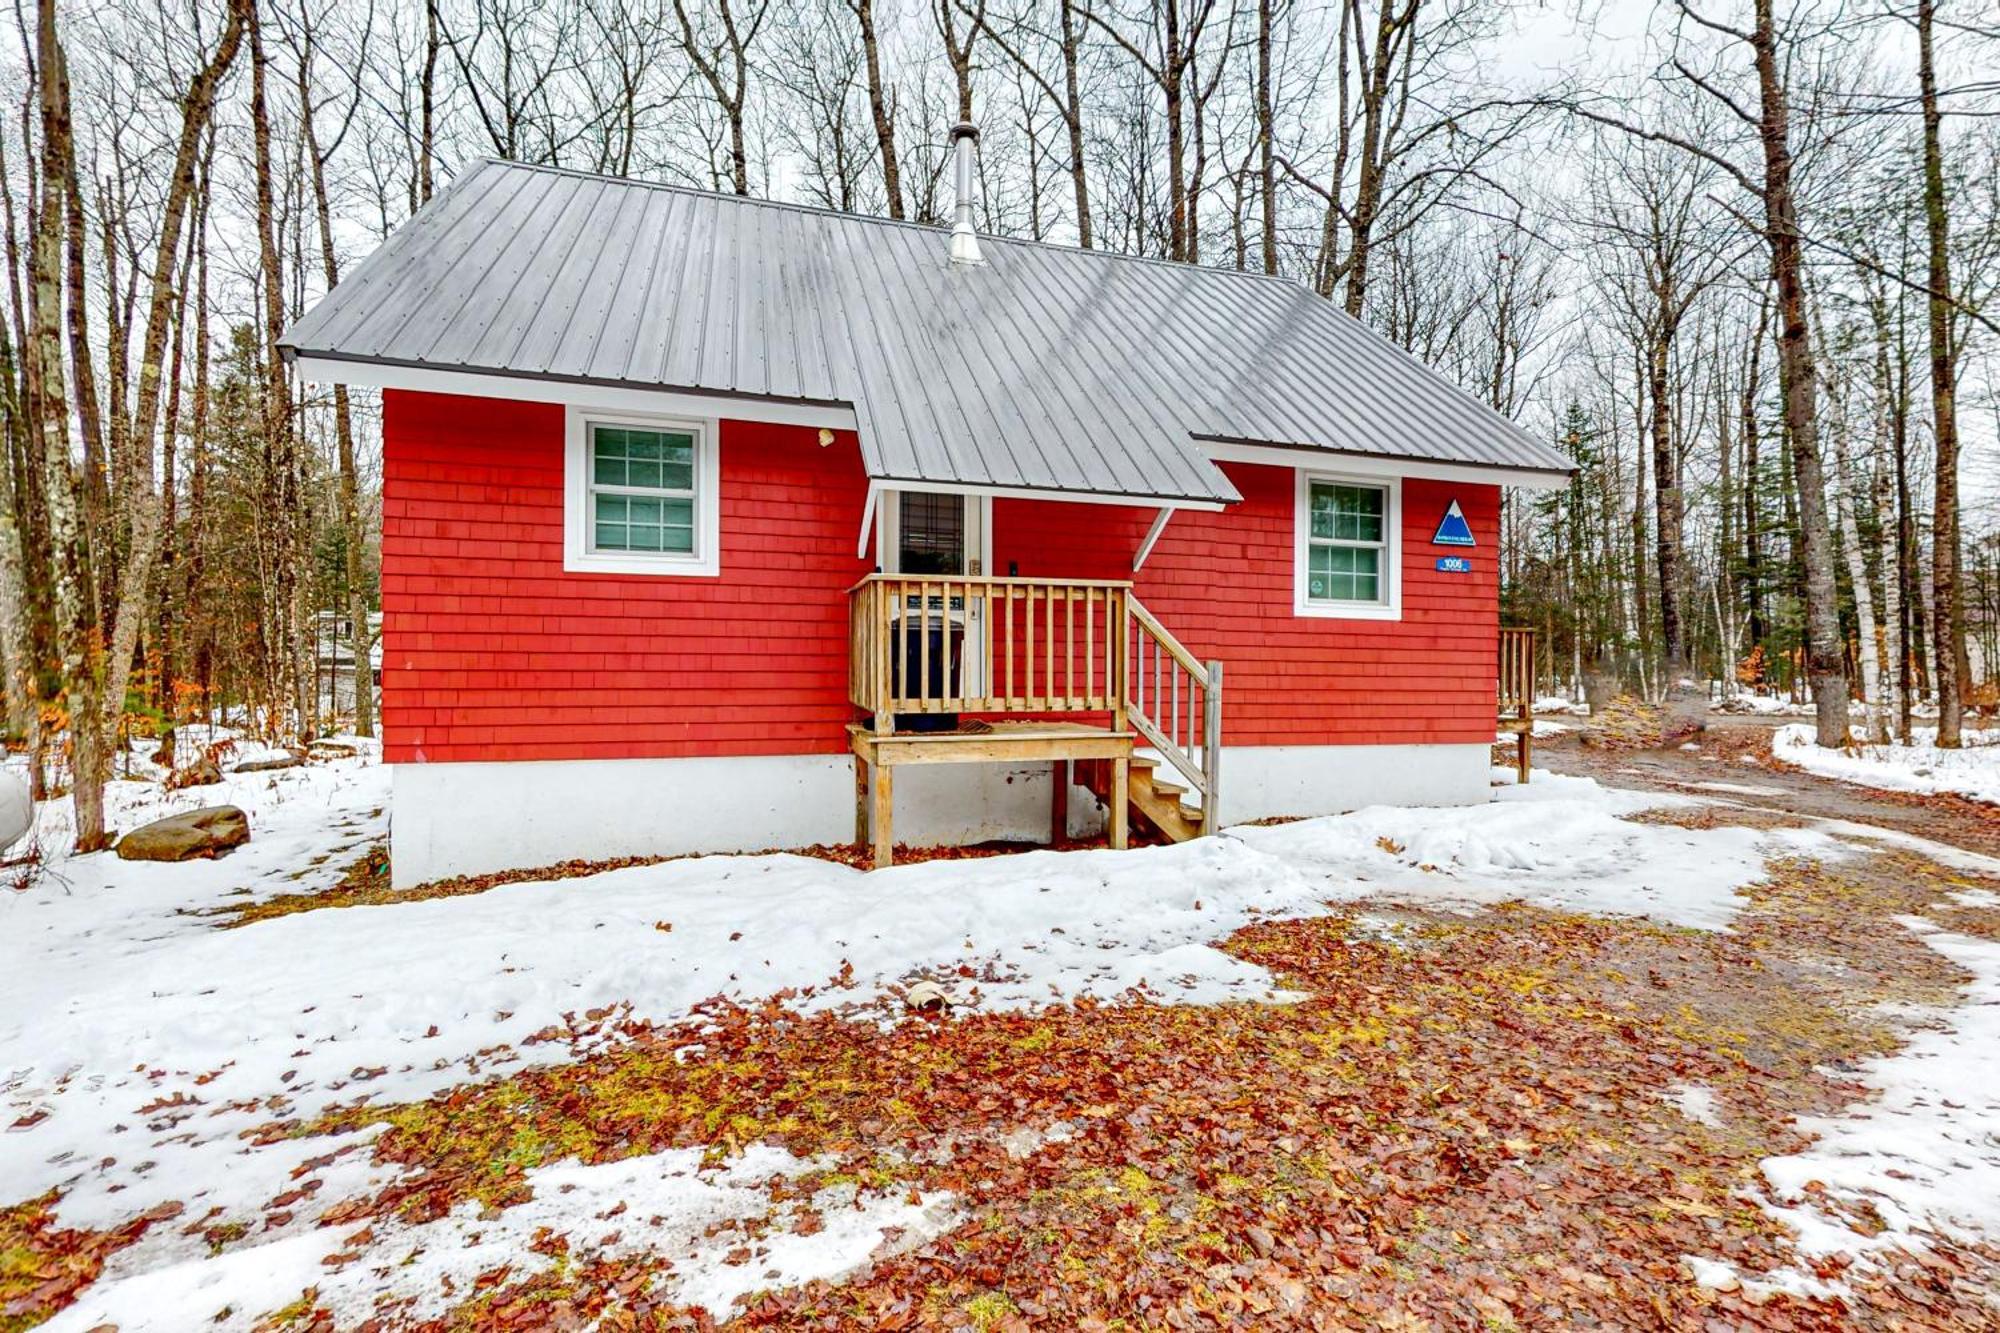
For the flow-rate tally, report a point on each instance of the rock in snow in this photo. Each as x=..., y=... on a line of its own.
x=207, y=832
x=269, y=765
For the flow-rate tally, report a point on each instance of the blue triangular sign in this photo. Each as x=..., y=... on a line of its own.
x=1453, y=530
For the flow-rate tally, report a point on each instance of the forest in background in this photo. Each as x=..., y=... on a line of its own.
x=1734, y=258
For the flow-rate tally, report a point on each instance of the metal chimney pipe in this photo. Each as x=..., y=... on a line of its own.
x=964, y=240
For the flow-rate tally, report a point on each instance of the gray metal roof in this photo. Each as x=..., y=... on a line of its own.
x=1047, y=368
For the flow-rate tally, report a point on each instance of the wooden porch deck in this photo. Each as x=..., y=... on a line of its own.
x=1058, y=671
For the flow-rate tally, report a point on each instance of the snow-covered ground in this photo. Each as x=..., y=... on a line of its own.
x=1926, y=1151
x=1972, y=771
x=138, y=1041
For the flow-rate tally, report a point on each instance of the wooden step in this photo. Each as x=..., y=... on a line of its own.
x=1153, y=799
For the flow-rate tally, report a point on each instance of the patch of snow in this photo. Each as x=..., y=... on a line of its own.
x=1544, y=728
x=1737, y=788
x=1558, y=841
x=664, y=1204
x=1956, y=858
x=1925, y=1153
x=1973, y=771
x=1696, y=1101
x=1763, y=705
x=1717, y=1275
x=1974, y=897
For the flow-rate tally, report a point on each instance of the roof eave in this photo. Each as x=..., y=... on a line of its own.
x=1229, y=449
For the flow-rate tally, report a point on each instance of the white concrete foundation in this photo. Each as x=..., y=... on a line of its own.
x=472, y=818
x=1265, y=780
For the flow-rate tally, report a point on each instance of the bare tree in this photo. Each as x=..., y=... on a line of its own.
x=719, y=46
x=880, y=107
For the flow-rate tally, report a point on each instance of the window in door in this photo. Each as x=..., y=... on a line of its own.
x=930, y=537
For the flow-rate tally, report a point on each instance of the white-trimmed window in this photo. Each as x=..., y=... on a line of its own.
x=640, y=495
x=1348, y=533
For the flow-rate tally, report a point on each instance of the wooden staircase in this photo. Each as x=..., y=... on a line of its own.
x=1158, y=804
x=1074, y=672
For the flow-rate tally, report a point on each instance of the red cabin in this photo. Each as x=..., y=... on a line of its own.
x=714, y=524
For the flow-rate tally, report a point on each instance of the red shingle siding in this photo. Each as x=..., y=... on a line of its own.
x=492, y=651
x=1222, y=583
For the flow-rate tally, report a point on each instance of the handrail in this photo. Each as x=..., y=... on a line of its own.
x=1517, y=668
x=938, y=643
x=1158, y=715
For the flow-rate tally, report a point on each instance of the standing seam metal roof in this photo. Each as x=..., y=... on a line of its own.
x=1047, y=368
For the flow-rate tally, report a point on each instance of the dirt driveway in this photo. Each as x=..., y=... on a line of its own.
x=1733, y=763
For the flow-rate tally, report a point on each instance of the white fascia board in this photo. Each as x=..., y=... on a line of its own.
x=572, y=393
x=1030, y=493
x=1377, y=465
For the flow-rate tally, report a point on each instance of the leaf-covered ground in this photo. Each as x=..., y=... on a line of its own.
x=1515, y=1119
x=1463, y=1117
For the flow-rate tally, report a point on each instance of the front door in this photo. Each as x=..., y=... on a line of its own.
x=932, y=532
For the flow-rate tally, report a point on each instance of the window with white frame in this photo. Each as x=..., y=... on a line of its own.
x=641, y=496
x=1347, y=532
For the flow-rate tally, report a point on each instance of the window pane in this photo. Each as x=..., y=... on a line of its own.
x=677, y=532
x=1322, y=510
x=931, y=533
x=677, y=457
x=612, y=508
x=1343, y=573
x=608, y=469
x=611, y=537
x=1348, y=513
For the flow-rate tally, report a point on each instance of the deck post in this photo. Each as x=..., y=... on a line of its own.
x=879, y=817
x=1211, y=749
x=1059, y=780
x=1523, y=751
x=860, y=801
x=1121, y=793
x=1120, y=646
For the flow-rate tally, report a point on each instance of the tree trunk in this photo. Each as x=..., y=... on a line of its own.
x=1267, y=179
x=1171, y=67
x=78, y=627
x=1072, y=41
x=1948, y=616
x=428, y=94
x=878, y=107
x=1824, y=665
x=279, y=499
x=354, y=535
x=1667, y=506
x=1846, y=496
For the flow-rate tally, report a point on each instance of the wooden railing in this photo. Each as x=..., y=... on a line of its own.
x=938, y=644
x=1174, y=701
x=1517, y=670
x=931, y=644
x=1517, y=694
